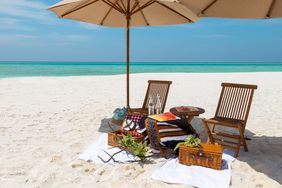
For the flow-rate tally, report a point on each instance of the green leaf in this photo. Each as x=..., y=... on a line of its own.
x=139, y=149
x=190, y=141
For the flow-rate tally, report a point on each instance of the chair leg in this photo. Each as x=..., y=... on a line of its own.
x=245, y=145
x=210, y=138
x=243, y=140
x=213, y=127
x=236, y=154
x=237, y=150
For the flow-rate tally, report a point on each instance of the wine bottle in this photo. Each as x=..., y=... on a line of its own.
x=150, y=106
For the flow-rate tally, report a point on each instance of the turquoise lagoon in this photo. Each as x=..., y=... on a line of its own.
x=27, y=69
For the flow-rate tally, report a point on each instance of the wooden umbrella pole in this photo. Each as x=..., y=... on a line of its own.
x=127, y=52
x=127, y=59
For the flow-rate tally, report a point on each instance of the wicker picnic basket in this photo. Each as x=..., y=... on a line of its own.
x=208, y=155
x=116, y=136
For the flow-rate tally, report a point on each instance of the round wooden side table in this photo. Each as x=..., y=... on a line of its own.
x=187, y=112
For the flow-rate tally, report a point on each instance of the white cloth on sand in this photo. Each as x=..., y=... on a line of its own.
x=98, y=148
x=170, y=172
x=174, y=172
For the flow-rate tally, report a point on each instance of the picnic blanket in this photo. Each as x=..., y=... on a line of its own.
x=174, y=172
x=170, y=172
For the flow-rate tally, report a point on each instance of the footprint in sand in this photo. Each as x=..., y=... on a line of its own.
x=76, y=165
x=32, y=125
x=76, y=145
x=138, y=173
x=104, y=175
x=56, y=158
x=89, y=170
x=48, y=181
x=102, y=172
x=17, y=173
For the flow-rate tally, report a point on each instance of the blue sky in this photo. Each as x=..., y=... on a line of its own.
x=28, y=32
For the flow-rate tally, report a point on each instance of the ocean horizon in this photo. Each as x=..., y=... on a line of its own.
x=44, y=68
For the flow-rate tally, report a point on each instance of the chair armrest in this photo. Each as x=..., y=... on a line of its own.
x=226, y=124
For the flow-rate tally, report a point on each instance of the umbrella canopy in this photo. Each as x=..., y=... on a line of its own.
x=244, y=9
x=126, y=14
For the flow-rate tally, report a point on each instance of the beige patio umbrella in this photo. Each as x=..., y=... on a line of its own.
x=244, y=9
x=126, y=14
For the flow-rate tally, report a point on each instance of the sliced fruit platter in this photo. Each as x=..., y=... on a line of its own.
x=186, y=108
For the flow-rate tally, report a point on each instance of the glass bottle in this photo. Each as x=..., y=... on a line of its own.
x=150, y=106
x=158, y=105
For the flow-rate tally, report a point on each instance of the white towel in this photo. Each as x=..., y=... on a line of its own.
x=96, y=149
x=173, y=172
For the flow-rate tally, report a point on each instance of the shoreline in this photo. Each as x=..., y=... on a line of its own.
x=141, y=73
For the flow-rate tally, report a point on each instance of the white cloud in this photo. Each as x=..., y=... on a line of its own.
x=76, y=38
x=38, y=40
x=12, y=23
x=11, y=39
x=33, y=10
x=22, y=14
x=24, y=3
x=69, y=38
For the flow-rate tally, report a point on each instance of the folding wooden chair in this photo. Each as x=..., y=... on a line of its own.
x=232, y=111
x=155, y=87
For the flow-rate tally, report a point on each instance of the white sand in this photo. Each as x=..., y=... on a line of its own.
x=46, y=122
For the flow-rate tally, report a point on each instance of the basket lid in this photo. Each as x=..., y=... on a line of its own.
x=211, y=148
x=216, y=148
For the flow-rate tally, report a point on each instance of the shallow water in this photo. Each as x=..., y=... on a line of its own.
x=27, y=69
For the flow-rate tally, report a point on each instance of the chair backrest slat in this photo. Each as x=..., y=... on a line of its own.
x=235, y=101
x=225, y=94
x=228, y=104
x=226, y=101
x=244, y=97
x=245, y=103
x=156, y=87
x=239, y=102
